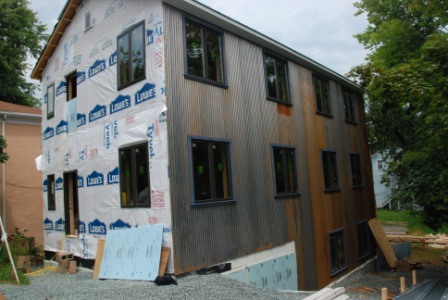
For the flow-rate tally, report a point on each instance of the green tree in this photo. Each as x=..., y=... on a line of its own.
x=406, y=78
x=3, y=155
x=21, y=36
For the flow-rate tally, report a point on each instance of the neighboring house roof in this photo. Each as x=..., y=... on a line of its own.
x=208, y=14
x=16, y=108
x=21, y=114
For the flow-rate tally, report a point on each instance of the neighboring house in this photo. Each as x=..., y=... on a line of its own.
x=166, y=111
x=21, y=188
x=382, y=192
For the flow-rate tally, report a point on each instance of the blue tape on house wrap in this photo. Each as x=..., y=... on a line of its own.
x=132, y=254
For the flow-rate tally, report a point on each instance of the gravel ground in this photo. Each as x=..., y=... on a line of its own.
x=52, y=286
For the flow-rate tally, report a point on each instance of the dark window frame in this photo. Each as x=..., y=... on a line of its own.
x=326, y=172
x=318, y=84
x=363, y=242
x=51, y=192
x=277, y=59
x=337, y=264
x=133, y=173
x=212, y=178
x=349, y=98
x=128, y=33
x=284, y=162
x=72, y=86
x=205, y=27
x=355, y=166
x=50, y=114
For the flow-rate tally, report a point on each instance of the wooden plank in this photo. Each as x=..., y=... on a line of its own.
x=98, y=258
x=383, y=242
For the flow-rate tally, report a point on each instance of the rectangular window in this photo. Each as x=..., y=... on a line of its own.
x=50, y=101
x=51, y=193
x=330, y=168
x=379, y=164
x=349, y=106
x=355, y=165
x=211, y=172
x=134, y=176
x=337, y=252
x=131, y=56
x=322, y=92
x=363, y=237
x=71, y=86
x=285, y=171
x=204, y=52
x=276, y=78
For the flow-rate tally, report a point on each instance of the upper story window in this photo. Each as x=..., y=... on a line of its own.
x=322, y=92
x=355, y=166
x=51, y=193
x=330, y=168
x=276, y=78
x=204, y=52
x=71, y=86
x=285, y=170
x=131, y=56
x=211, y=173
x=349, y=106
x=134, y=176
x=50, y=101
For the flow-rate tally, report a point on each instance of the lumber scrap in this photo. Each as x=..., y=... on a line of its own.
x=98, y=258
x=383, y=242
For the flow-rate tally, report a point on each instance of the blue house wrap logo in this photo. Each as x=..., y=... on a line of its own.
x=80, y=182
x=81, y=227
x=147, y=92
x=97, y=227
x=120, y=103
x=113, y=59
x=59, y=225
x=62, y=88
x=95, y=179
x=97, y=113
x=80, y=120
x=61, y=127
x=45, y=185
x=97, y=67
x=48, y=224
x=46, y=98
x=80, y=77
x=48, y=133
x=59, y=183
x=113, y=177
x=149, y=37
x=119, y=224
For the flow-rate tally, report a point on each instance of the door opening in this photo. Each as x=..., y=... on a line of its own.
x=71, y=205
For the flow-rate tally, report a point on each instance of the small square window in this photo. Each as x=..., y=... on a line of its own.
x=211, y=172
x=51, y=192
x=276, y=78
x=71, y=86
x=363, y=237
x=337, y=252
x=355, y=166
x=379, y=164
x=349, y=106
x=50, y=101
x=322, y=92
x=204, y=52
x=131, y=56
x=134, y=176
x=330, y=169
x=285, y=171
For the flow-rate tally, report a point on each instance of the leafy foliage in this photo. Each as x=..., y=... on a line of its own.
x=21, y=36
x=3, y=155
x=406, y=77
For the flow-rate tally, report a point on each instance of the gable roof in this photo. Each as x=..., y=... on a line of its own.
x=208, y=14
x=20, y=109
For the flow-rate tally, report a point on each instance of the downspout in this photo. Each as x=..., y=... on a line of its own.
x=4, y=177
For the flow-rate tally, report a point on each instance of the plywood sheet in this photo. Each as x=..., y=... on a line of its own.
x=383, y=242
x=132, y=254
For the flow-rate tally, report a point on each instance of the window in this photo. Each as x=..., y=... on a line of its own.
x=379, y=164
x=134, y=176
x=50, y=101
x=363, y=237
x=131, y=56
x=321, y=90
x=276, y=78
x=355, y=165
x=204, y=52
x=349, y=109
x=285, y=171
x=337, y=252
x=71, y=86
x=330, y=166
x=211, y=174
x=51, y=193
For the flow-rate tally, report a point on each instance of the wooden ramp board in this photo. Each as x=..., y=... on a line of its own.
x=383, y=242
x=98, y=258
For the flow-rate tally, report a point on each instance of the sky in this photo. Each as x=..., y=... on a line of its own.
x=319, y=29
